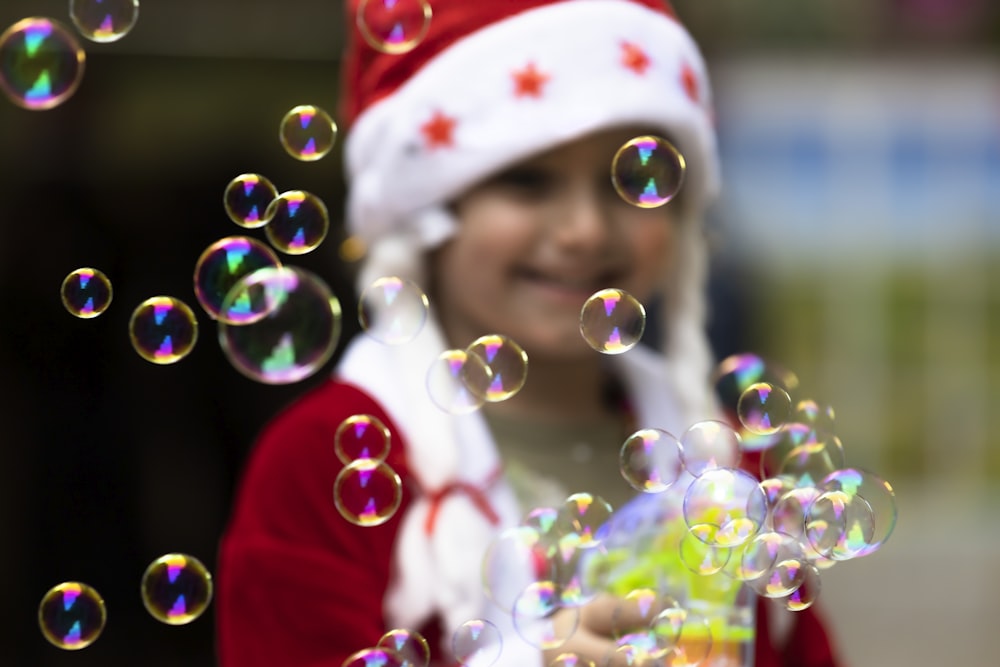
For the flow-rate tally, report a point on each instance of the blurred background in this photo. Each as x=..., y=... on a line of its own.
x=857, y=245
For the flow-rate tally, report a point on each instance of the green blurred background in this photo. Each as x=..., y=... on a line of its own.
x=857, y=244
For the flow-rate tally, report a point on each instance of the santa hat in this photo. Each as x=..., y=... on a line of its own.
x=492, y=82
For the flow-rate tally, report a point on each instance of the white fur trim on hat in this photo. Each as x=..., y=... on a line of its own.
x=580, y=48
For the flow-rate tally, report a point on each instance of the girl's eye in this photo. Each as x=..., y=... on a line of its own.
x=525, y=181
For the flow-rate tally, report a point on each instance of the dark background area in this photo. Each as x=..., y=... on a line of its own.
x=109, y=461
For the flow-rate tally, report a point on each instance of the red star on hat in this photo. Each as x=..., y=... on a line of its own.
x=438, y=131
x=634, y=58
x=690, y=82
x=528, y=82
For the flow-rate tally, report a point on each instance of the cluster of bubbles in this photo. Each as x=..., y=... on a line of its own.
x=493, y=368
x=367, y=491
x=684, y=558
x=41, y=60
x=176, y=589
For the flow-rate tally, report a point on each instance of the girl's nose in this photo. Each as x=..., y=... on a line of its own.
x=584, y=221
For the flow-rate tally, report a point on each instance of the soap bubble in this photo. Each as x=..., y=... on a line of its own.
x=708, y=445
x=298, y=222
x=506, y=362
x=807, y=593
x=176, y=589
x=876, y=492
x=392, y=310
x=763, y=408
x=457, y=382
x=408, y=644
x=222, y=265
x=295, y=325
x=361, y=437
x=163, y=329
x=307, y=133
x=104, y=20
x=839, y=525
x=380, y=656
x=583, y=514
x=534, y=616
x=477, y=643
x=648, y=171
x=41, y=63
x=731, y=500
x=72, y=615
x=612, y=321
x=649, y=460
x=86, y=293
x=367, y=493
x=738, y=372
x=247, y=198
x=394, y=26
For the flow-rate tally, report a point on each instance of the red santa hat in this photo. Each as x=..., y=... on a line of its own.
x=495, y=81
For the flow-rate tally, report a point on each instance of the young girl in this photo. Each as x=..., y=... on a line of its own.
x=479, y=168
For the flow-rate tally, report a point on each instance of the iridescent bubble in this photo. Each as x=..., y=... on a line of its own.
x=72, y=615
x=879, y=495
x=584, y=514
x=408, y=644
x=394, y=26
x=685, y=635
x=648, y=171
x=612, y=321
x=570, y=560
x=535, y=619
x=41, y=63
x=736, y=373
x=392, y=310
x=541, y=519
x=697, y=551
x=570, y=660
x=763, y=408
x=176, y=589
x=367, y=493
x=299, y=221
x=295, y=325
x=649, y=460
x=808, y=411
x=361, y=437
x=221, y=266
x=810, y=462
x=788, y=438
x=507, y=363
x=515, y=559
x=457, y=382
x=477, y=643
x=247, y=198
x=708, y=445
x=774, y=488
x=639, y=608
x=307, y=133
x=839, y=525
x=163, y=329
x=104, y=20
x=86, y=293
x=782, y=578
x=728, y=499
x=375, y=657
x=788, y=515
x=807, y=593
x=763, y=551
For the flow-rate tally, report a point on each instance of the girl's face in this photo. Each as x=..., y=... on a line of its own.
x=537, y=239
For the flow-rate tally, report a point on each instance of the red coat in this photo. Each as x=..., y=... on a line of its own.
x=298, y=586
